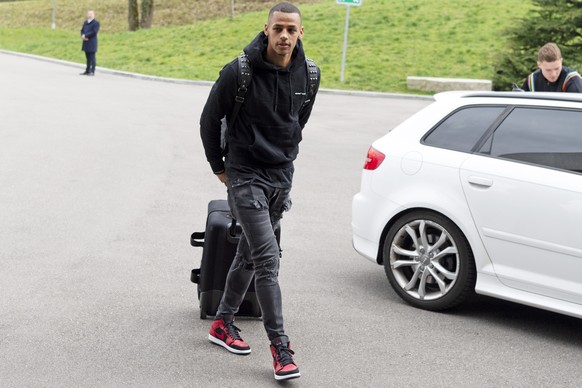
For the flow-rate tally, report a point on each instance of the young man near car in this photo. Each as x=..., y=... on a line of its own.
x=258, y=172
x=89, y=33
x=552, y=76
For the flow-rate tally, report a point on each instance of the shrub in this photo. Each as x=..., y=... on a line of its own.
x=558, y=21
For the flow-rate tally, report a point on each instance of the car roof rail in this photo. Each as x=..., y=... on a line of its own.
x=568, y=97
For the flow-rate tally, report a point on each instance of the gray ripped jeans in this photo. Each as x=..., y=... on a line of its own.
x=258, y=208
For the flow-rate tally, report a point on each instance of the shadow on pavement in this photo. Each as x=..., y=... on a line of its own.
x=497, y=312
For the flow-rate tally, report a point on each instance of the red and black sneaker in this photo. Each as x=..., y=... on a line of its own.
x=226, y=334
x=283, y=365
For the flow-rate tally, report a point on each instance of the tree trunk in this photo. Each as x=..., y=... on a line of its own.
x=147, y=13
x=133, y=15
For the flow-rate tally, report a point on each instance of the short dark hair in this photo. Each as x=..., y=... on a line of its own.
x=284, y=7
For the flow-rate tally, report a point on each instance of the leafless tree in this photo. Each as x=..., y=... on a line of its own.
x=147, y=13
x=133, y=15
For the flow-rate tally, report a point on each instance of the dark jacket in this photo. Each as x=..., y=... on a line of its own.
x=90, y=30
x=568, y=81
x=267, y=130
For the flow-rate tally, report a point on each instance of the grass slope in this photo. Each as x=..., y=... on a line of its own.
x=70, y=13
x=389, y=40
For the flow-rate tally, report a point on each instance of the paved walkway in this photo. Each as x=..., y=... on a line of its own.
x=103, y=179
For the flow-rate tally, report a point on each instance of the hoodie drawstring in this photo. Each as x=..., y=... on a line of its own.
x=291, y=93
x=276, y=90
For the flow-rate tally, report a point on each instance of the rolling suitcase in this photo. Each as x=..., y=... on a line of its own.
x=219, y=242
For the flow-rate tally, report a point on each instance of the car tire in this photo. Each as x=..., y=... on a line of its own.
x=428, y=261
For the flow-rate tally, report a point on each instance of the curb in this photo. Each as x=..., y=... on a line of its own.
x=146, y=77
x=109, y=71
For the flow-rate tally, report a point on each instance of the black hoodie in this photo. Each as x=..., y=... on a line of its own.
x=267, y=130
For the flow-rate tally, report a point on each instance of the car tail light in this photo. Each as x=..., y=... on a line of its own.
x=374, y=159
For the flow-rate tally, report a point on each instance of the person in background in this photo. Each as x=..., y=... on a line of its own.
x=89, y=33
x=552, y=76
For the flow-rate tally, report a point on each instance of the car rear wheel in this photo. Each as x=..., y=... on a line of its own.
x=428, y=261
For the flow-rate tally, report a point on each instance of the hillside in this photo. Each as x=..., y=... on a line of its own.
x=113, y=13
x=389, y=39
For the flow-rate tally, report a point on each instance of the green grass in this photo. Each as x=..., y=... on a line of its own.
x=113, y=13
x=389, y=40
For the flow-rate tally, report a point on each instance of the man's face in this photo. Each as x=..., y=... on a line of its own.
x=551, y=70
x=283, y=30
x=90, y=15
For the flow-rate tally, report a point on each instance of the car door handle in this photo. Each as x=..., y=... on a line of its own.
x=480, y=181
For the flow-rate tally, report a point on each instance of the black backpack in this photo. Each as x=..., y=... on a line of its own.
x=245, y=76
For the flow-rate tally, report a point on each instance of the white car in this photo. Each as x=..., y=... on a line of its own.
x=478, y=192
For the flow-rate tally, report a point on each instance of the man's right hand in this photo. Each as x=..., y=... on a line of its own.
x=222, y=177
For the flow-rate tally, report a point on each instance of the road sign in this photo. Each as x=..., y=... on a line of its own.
x=350, y=2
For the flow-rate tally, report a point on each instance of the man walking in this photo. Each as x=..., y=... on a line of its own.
x=263, y=142
x=552, y=76
x=89, y=36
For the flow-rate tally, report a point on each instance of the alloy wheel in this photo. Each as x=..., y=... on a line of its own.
x=424, y=260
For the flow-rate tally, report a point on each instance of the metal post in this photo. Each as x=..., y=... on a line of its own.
x=232, y=10
x=53, y=23
x=345, y=43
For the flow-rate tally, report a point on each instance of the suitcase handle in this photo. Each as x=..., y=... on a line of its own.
x=195, y=276
x=232, y=228
x=233, y=234
x=197, y=239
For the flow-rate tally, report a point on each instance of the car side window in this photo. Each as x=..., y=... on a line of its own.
x=542, y=136
x=461, y=130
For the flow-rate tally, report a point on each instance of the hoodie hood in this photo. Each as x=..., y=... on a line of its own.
x=257, y=48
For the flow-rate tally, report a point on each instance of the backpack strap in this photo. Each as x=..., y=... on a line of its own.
x=530, y=83
x=312, y=78
x=569, y=76
x=245, y=75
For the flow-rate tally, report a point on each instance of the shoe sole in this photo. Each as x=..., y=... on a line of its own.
x=287, y=377
x=218, y=342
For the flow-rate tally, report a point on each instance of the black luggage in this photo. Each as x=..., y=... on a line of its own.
x=219, y=242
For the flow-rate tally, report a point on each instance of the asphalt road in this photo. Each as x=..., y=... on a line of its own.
x=103, y=179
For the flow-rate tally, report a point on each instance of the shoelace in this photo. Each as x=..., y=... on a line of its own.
x=233, y=331
x=284, y=355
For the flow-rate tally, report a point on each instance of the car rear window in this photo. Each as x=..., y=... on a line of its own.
x=543, y=136
x=461, y=130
